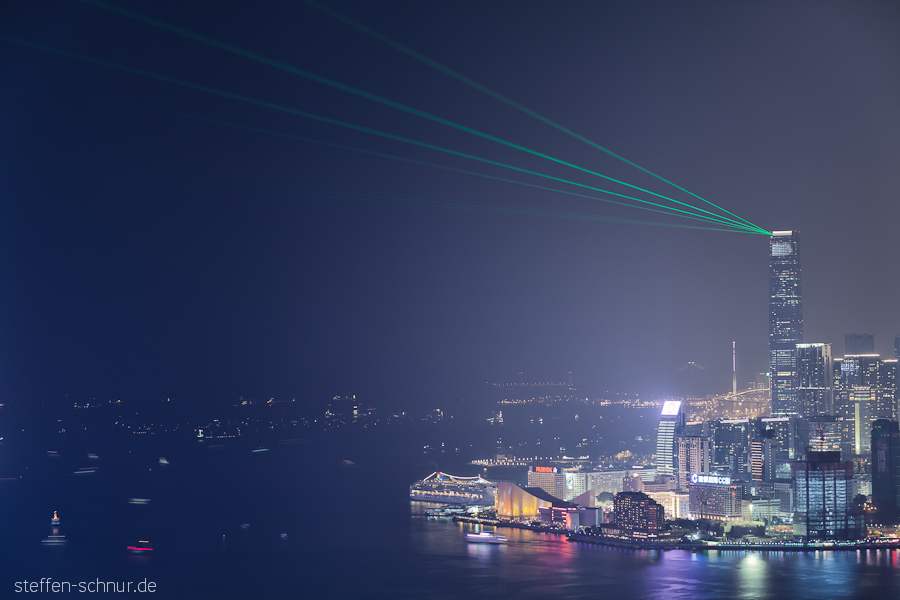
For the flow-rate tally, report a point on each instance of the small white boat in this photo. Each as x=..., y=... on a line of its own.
x=485, y=537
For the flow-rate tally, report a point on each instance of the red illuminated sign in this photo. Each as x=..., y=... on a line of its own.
x=543, y=469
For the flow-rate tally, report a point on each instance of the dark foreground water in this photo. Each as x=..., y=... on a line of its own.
x=351, y=533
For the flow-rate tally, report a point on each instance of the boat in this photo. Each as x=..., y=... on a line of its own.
x=54, y=540
x=92, y=455
x=141, y=547
x=55, y=520
x=139, y=501
x=485, y=537
x=284, y=536
x=451, y=489
x=163, y=461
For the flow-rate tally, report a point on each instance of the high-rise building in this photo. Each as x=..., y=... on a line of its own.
x=731, y=445
x=886, y=465
x=785, y=432
x=821, y=434
x=859, y=343
x=823, y=487
x=694, y=456
x=762, y=460
x=897, y=347
x=887, y=380
x=671, y=424
x=785, y=320
x=815, y=378
x=864, y=390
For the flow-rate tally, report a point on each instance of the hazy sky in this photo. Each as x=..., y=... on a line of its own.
x=148, y=253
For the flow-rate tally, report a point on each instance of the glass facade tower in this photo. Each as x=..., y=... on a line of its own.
x=785, y=321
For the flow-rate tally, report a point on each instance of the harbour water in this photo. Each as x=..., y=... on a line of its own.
x=351, y=533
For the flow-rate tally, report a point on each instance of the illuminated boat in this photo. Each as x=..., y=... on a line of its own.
x=451, y=489
x=485, y=537
x=163, y=461
x=141, y=547
x=54, y=540
x=55, y=520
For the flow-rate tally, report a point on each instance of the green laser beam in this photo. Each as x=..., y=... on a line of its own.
x=406, y=201
x=496, y=95
x=147, y=20
x=254, y=101
x=384, y=155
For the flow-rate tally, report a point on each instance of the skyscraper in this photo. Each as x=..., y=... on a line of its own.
x=824, y=493
x=671, y=424
x=785, y=320
x=886, y=465
x=897, y=347
x=859, y=343
x=815, y=379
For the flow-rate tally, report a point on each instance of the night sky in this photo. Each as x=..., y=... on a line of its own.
x=146, y=253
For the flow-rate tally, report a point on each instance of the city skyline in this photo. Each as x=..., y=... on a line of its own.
x=152, y=254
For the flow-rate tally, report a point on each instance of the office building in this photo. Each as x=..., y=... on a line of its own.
x=784, y=430
x=886, y=465
x=823, y=486
x=762, y=460
x=897, y=347
x=694, y=456
x=731, y=445
x=785, y=320
x=864, y=390
x=815, y=380
x=859, y=343
x=821, y=434
x=714, y=497
x=671, y=425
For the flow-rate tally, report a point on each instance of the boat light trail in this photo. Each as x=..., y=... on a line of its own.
x=496, y=95
x=147, y=20
x=331, y=121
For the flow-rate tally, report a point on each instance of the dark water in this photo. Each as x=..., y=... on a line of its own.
x=352, y=533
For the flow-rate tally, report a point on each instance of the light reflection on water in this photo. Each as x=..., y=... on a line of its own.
x=536, y=565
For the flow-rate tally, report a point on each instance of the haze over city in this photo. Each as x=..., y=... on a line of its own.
x=243, y=242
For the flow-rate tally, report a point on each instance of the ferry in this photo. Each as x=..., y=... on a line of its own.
x=92, y=455
x=163, y=461
x=451, y=489
x=141, y=547
x=55, y=520
x=485, y=537
x=54, y=539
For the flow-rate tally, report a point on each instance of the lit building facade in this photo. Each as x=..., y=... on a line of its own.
x=886, y=465
x=638, y=513
x=785, y=320
x=671, y=425
x=824, y=490
x=713, y=497
x=694, y=456
x=550, y=479
x=815, y=380
x=515, y=503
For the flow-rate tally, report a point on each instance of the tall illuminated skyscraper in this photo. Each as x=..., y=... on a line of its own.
x=785, y=321
x=671, y=425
